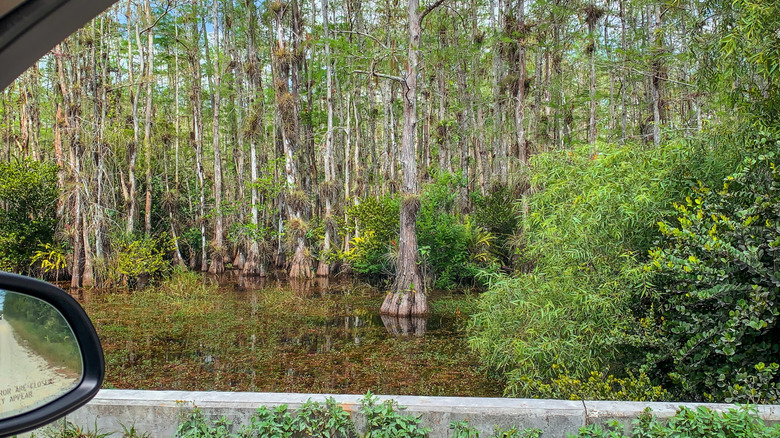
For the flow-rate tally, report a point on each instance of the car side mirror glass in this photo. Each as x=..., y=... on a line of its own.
x=51, y=362
x=39, y=357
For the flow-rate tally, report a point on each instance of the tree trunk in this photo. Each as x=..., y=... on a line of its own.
x=253, y=264
x=656, y=70
x=215, y=81
x=197, y=139
x=328, y=188
x=149, y=73
x=522, y=150
x=592, y=17
x=499, y=164
x=286, y=82
x=133, y=147
x=624, y=83
x=407, y=296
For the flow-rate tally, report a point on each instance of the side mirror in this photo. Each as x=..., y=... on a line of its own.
x=51, y=362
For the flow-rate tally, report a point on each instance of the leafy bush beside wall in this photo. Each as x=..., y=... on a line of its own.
x=589, y=225
x=715, y=309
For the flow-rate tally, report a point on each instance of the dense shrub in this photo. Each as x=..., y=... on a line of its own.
x=495, y=213
x=28, y=205
x=715, y=312
x=589, y=226
x=377, y=220
x=312, y=419
x=597, y=386
x=145, y=258
x=591, y=217
x=453, y=249
x=700, y=423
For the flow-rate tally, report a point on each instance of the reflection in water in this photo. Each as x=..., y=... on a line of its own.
x=39, y=357
x=254, y=334
x=405, y=326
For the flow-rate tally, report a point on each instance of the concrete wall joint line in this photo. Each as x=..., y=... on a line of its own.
x=587, y=417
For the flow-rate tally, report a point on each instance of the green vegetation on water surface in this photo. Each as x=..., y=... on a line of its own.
x=191, y=334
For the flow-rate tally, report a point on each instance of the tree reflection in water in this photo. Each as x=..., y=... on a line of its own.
x=405, y=326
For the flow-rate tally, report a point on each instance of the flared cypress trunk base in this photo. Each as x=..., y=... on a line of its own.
x=253, y=265
x=407, y=296
x=300, y=267
x=217, y=265
x=323, y=270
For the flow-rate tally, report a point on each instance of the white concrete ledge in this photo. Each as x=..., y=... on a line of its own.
x=158, y=412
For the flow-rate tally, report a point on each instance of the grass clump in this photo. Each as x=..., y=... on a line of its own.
x=66, y=429
x=702, y=422
x=312, y=419
x=462, y=429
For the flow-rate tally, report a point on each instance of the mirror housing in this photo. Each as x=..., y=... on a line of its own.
x=93, y=365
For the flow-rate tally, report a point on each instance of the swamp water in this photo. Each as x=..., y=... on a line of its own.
x=239, y=334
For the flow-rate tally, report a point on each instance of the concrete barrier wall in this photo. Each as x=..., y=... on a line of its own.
x=158, y=412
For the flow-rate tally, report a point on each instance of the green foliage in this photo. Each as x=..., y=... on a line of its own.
x=195, y=425
x=749, y=62
x=453, y=249
x=276, y=423
x=527, y=324
x=700, y=423
x=144, y=257
x=384, y=421
x=131, y=432
x=589, y=219
x=495, y=211
x=316, y=419
x=377, y=220
x=28, y=196
x=66, y=429
x=496, y=214
x=462, y=429
x=589, y=223
x=715, y=312
x=312, y=419
x=597, y=386
x=50, y=258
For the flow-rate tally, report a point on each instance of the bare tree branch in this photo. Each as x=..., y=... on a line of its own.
x=168, y=7
x=430, y=9
x=361, y=34
x=379, y=75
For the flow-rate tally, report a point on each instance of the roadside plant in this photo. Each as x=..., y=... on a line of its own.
x=462, y=429
x=131, y=432
x=702, y=422
x=66, y=429
x=327, y=419
x=595, y=386
x=195, y=425
x=714, y=314
x=272, y=423
x=384, y=421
